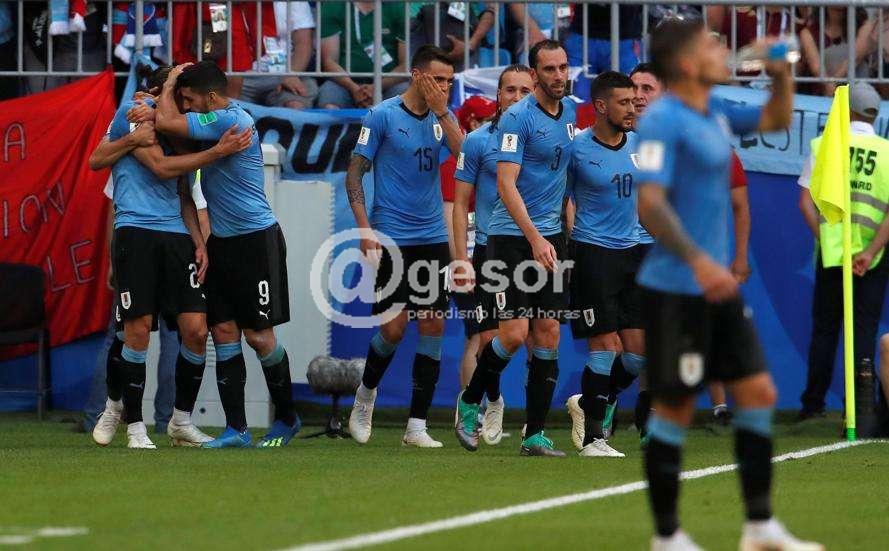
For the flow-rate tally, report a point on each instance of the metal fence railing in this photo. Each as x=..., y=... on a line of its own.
x=864, y=21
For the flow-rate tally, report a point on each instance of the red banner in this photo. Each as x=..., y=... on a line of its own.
x=53, y=213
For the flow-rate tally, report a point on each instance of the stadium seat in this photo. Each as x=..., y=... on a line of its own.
x=24, y=321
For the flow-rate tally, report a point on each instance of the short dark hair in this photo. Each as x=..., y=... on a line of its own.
x=157, y=78
x=668, y=41
x=203, y=77
x=646, y=68
x=542, y=45
x=514, y=68
x=603, y=84
x=427, y=54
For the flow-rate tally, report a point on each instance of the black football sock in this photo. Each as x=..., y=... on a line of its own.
x=662, y=463
x=594, y=389
x=112, y=370
x=189, y=375
x=753, y=451
x=643, y=411
x=276, y=368
x=132, y=370
x=231, y=377
x=542, y=377
x=427, y=364
x=620, y=378
x=491, y=362
x=379, y=356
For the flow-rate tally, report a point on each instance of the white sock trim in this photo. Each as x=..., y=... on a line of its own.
x=416, y=425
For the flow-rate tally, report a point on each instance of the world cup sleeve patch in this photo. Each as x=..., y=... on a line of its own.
x=364, y=135
x=207, y=118
x=651, y=156
x=461, y=160
x=510, y=143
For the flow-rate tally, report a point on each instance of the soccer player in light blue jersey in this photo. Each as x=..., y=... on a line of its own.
x=159, y=259
x=476, y=176
x=606, y=302
x=697, y=327
x=526, y=247
x=247, y=280
x=402, y=139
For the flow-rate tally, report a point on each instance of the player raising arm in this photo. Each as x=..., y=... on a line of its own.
x=697, y=329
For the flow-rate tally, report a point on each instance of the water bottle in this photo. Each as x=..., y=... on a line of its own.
x=753, y=57
x=865, y=399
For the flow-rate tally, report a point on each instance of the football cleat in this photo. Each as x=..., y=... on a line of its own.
x=771, y=535
x=420, y=439
x=540, y=446
x=599, y=448
x=137, y=437
x=578, y=427
x=187, y=436
x=230, y=438
x=492, y=424
x=106, y=425
x=280, y=434
x=466, y=424
x=679, y=541
x=361, y=418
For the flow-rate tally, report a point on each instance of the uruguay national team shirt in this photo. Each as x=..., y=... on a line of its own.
x=235, y=185
x=477, y=165
x=603, y=182
x=404, y=148
x=141, y=199
x=541, y=144
x=690, y=155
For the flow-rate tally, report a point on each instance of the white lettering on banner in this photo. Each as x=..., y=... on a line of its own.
x=14, y=137
x=32, y=211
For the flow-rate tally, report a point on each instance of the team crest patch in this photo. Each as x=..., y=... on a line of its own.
x=651, y=156
x=570, y=127
x=437, y=131
x=461, y=161
x=589, y=317
x=510, y=143
x=691, y=368
x=207, y=118
x=501, y=300
x=126, y=300
x=364, y=135
x=635, y=158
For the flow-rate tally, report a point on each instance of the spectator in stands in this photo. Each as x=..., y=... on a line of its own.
x=64, y=46
x=869, y=39
x=452, y=16
x=346, y=91
x=836, y=50
x=778, y=21
x=9, y=86
x=245, y=33
x=295, y=19
x=599, y=41
x=542, y=21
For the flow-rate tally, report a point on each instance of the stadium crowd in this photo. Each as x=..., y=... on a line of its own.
x=294, y=24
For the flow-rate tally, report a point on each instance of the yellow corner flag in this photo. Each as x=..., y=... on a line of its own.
x=830, y=175
x=830, y=190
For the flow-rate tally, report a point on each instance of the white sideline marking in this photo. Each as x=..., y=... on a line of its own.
x=403, y=532
x=24, y=536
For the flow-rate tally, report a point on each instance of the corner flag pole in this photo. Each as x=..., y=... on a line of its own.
x=848, y=326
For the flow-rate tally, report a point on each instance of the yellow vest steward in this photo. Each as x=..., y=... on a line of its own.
x=869, y=179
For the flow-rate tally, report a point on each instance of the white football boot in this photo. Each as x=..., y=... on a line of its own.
x=137, y=437
x=361, y=418
x=492, y=424
x=599, y=448
x=185, y=434
x=109, y=420
x=679, y=541
x=420, y=439
x=771, y=535
x=577, y=420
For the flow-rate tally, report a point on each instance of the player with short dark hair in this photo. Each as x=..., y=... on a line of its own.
x=697, y=327
x=402, y=138
x=247, y=280
x=159, y=259
x=476, y=176
x=525, y=231
x=605, y=300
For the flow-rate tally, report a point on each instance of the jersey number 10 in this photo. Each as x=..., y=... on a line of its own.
x=623, y=184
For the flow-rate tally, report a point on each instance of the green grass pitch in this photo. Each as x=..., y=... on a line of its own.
x=320, y=489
